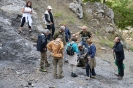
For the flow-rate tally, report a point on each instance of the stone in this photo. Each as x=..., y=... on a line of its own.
x=76, y=7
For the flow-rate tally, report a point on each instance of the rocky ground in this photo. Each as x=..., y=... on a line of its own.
x=19, y=60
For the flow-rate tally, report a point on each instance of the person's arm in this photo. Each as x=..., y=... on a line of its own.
x=78, y=33
x=69, y=33
x=55, y=36
x=46, y=18
x=76, y=48
x=49, y=46
x=118, y=49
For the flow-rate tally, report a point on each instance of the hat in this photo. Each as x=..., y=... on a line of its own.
x=62, y=28
x=49, y=7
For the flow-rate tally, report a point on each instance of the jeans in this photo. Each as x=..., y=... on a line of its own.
x=84, y=43
x=90, y=72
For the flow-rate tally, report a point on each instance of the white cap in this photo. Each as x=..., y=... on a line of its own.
x=49, y=7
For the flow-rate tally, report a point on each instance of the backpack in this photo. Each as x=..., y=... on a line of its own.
x=41, y=40
x=70, y=50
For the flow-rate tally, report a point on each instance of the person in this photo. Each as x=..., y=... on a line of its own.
x=72, y=60
x=82, y=56
x=67, y=39
x=91, y=63
x=119, y=52
x=67, y=34
x=84, y=35
x=56, y=48
x=27, y=11
x=41, y=46
x=60, y=34
x=49, y=20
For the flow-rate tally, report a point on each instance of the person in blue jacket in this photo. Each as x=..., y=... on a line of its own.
x=67, y=39
x=90, y=71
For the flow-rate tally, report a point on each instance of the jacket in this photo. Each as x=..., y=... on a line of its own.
x=47, y=17
x=61, y=35
x=119, y=52
x=67, y=34
x=91, y=50
x=56, y=49
x=73, y=59
x=41, y=42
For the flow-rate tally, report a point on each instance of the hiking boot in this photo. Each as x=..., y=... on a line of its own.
x=88, y=78
x=20, y=31
x=60, y=77
x=93, y=77
x=42, y=70
x=66, y=61
x=47, y=65
x=120, y=78
x=55, y=76
x=117, y=75
x=74, y=75
x=84, y=67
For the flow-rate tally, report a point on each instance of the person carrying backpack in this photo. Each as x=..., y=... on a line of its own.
x=41, y=46
x=72, y=51
x=56, y=48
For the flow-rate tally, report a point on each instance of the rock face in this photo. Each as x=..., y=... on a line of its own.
x=101, y=16
x=12, y=45
x=76, y=7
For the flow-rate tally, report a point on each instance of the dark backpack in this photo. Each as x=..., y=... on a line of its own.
x=70, y=50
x=41, y=40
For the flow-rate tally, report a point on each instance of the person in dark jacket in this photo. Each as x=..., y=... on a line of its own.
x=41, y=46
x=119, y=52
x=49, y=20
x=67, y=38
x=90, y=71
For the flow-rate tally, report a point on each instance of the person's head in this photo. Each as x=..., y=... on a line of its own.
x=57, y=41
x=80, y=47
x=74, y=39
x=117, y=39
x=89, y=41
x=49, y=8
x=84, y=28
x=29, y=4
x=62, y=28
x=46, y=32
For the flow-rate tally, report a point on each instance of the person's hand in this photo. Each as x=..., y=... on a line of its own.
x=112, y=50
x=51, y=23
x=89, y=57
x=44, y=49
x=30, y=12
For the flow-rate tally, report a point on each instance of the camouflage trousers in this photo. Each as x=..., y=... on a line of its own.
x=43, y=59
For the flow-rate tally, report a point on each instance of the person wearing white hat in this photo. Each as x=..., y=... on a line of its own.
x=49, y=21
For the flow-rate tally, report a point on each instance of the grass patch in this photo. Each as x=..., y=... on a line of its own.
x=131, y=48
x=106, y=43
x=58, y=14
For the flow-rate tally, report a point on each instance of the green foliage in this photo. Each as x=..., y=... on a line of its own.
x=106, y=43
x=58, y=14
x=123, y=10
x=123, y=13
x=131, y=48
